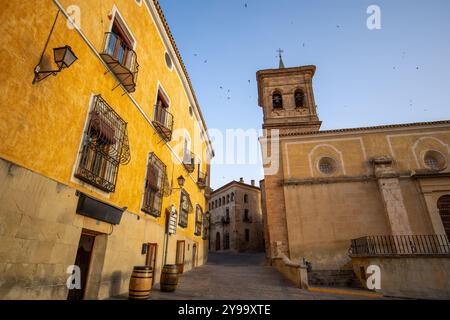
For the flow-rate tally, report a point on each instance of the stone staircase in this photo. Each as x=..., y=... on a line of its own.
x=334, y=278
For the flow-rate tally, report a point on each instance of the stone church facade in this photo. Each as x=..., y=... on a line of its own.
x=331, y=197
x=236, y=218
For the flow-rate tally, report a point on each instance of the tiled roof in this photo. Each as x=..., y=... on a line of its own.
x=389, y=126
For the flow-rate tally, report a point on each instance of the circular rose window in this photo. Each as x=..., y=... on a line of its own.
x=327, y=165
x=434, y=160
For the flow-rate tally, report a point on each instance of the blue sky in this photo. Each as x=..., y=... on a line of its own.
x=397, y=74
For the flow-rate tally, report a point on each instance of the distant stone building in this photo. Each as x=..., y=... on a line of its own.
x=236, y=218
x=334, y=196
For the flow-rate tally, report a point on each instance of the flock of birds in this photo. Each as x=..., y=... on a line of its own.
x=303, y=44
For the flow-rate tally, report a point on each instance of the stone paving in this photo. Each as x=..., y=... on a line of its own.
x=238, y=277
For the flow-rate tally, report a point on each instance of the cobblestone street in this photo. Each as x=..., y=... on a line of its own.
x=239, y=276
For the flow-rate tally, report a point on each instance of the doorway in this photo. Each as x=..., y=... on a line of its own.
x=194, y=255
x=150, y=260
x=83, y=261
x=217, y=241
x=179, y=261
x=444, y=211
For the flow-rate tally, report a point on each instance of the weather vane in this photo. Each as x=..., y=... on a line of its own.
x=281, y=64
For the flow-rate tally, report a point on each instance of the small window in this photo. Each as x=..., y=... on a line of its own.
x=198, y=221
x=220, y=202
x=299, y=97
x=228, y=198
x=327, y=165
x=223, y=200
x=435, y=160
x=245, y=198
x=277, y=100
x=155, y=183
x=168, y=60
x=215, y=204
x=232, y=196
x=247, y=235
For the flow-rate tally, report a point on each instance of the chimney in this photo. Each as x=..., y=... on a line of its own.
x=253, y=182
x=241, y=180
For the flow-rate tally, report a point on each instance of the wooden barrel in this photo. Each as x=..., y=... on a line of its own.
x=169, y=278
x=140, y=283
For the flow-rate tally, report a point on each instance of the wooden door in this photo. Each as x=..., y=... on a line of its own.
x=180, y=256
x=151, y=258
x=194, y=255
x=83, y=260
x=444, y=211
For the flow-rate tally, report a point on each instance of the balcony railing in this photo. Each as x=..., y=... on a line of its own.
x=163, y=122
x=189, y=162
x=202, y=180
x=121, y=59
x=400, y=245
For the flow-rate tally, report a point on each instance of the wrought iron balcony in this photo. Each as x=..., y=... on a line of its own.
x=121, y=60
x=163, y=122
x=202, y=180
x=400, y=245
x=189, y=162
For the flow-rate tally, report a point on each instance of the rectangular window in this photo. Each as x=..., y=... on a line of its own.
x=154, y=186
x=198, y=220
x=104, y=148
x=185, y=208
x=247, y=235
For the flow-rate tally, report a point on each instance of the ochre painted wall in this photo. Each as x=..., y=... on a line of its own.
x=42, y=126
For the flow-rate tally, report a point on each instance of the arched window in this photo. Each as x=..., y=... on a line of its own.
x=215, y=203
x=245, y=198
x=299, y=97
x=232, y=196
x=228, y=198
x=443, y=205
x=223, y=200
x=277, y=100
x=220, y=202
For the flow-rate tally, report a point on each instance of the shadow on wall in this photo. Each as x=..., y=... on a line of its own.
x=116, y=283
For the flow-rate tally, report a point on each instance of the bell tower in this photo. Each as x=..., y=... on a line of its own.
x=287, y=98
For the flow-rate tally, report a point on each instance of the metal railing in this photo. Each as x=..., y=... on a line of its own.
x=400, y=245
x=118, y=49
x=202, y=179
x=189, y=162
x=163, y=122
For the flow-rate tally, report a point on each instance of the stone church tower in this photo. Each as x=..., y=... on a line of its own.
x=287, y=98
x=335, y=197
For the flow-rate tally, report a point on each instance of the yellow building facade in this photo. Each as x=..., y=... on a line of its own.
x=91, y=151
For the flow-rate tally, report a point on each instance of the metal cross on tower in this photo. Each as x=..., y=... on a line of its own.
x=281, y=64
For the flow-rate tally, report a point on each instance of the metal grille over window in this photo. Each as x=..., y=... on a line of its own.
x=105, y=147
x=156, y=185
x=185, y=209
x=198, y=220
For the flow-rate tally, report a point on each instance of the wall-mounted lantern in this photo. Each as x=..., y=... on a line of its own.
x=64, y=57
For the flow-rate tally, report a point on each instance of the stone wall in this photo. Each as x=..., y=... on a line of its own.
x=410, y=277
x=39, y=235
